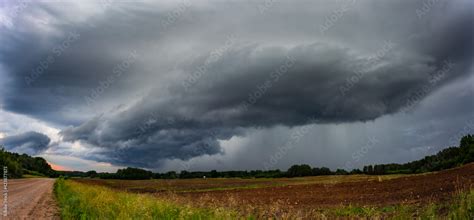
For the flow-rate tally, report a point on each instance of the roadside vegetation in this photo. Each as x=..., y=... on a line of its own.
x=80, y=201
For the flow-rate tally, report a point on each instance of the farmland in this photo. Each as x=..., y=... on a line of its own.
x=444, y=193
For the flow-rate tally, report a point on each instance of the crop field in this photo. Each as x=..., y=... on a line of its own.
x=224, y=184
x=445, y=193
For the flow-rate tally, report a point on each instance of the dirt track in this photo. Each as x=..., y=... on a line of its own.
x=31, y=199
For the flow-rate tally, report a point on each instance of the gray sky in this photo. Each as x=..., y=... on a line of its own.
x=230, y=85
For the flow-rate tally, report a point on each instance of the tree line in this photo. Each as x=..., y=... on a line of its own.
x=445, y=159
x=20, y=164
x=448, y=158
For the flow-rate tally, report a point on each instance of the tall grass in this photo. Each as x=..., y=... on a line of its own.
x=463, y=206
x=80, y=201
x=460, y=207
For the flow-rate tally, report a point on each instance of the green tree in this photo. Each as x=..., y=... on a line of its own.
x=299, y=170
x=134, y=173
x=91, y=173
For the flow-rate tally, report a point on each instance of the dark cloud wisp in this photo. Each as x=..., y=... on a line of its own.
x=31, y=143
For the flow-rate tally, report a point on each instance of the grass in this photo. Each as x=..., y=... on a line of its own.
x=389, y=212
x=80, y=201
x=461, y=207
x=31, y=174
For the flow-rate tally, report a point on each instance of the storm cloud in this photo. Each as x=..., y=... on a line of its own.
x=31, y=143
x=150, y=82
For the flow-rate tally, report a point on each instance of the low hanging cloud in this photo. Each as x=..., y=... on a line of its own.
x=32, y=143
x=216, y=72
x=255, y=87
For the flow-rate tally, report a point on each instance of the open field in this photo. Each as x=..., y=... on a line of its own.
x=312, y=197
x=223, y=184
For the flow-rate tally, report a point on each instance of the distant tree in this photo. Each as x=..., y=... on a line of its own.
x=341, y=172
x=370, y=170
x=299, y=170
x=134, y=173
x=72, y=174
x=316, y=171
x=444, y=159
x=214, y=174
x=467, y=149
x=185, y=174
x=379, y=169
x=91, y=173
x=170, y=175
x=356, y=171
x=326, y=171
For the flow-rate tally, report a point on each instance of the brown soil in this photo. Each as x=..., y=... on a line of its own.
x=177, y=185
x=31, y=199
x=417, y=189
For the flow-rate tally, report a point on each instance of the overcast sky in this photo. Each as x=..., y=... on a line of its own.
x=231, y=85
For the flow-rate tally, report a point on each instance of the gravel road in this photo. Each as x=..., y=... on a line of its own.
x=30, y=199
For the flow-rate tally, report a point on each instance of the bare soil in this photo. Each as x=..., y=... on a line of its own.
x=31, y=199
x=410, y=190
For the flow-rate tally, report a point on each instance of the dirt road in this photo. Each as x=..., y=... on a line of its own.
x=30, y=199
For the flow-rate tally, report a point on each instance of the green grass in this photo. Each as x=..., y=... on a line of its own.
x=401, y=212
x=31, y=174
x=80, y=201
x=461, y=207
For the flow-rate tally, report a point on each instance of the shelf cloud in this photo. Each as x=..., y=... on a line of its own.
x=147, y=83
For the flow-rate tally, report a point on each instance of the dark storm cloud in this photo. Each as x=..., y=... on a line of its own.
x=53, y=72
x=277, y=69
x=263, y=87
x=31, y=143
